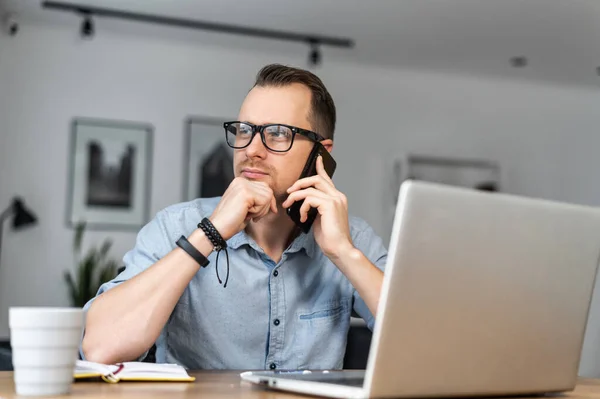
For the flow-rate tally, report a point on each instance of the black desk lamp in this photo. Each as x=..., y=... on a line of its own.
x=22, y=217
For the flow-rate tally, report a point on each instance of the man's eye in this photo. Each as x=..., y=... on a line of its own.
x=244, y=131
x=279, y=133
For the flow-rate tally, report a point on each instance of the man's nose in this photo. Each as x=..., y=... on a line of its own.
x=256, y=147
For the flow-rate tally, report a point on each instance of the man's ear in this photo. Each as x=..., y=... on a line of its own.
x=328, y=144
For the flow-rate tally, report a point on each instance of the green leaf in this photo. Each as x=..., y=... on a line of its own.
x=104, y=249
x=88, y=266
x=107, y=273
x=72, y=288
x=79, y=231
x=91, y=270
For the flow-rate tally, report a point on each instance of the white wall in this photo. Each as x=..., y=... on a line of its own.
x=544, y=137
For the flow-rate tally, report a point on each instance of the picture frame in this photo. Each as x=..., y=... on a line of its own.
x=479, y=174
x=394, y=178
x=208, y=160
x=110, y=172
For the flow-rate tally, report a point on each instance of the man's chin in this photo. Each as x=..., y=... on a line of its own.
x=280, y=195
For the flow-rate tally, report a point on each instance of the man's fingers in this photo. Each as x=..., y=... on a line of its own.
x=310, y=202
x=321, y=170
x=261, y=198
x=264, y=211
x=302, y=194
x=255, y=208
x=262, y=206
x=317, y=182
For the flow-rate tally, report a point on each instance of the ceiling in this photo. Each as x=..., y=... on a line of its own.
x=560, y=38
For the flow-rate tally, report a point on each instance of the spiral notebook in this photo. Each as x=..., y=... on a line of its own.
x=131, y=371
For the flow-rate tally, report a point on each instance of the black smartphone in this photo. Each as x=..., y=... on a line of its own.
x=310, y=169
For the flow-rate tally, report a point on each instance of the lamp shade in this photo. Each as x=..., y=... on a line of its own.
x=22, y=216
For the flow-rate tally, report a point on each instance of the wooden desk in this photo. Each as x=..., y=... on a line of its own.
x=208, y=384
x=212, y=384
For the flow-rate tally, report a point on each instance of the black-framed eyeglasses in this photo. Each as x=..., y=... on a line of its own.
x=275, y=136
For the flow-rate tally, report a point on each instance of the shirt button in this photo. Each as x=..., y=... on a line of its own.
x=275, y=273
x=276, y=322
x=272, y=366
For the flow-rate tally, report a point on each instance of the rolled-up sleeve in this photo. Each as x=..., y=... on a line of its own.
x=371, y=245
x=151, y=245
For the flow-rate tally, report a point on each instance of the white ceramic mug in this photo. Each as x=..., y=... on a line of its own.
x=45, y=345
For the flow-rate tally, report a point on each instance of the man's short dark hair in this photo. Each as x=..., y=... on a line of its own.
x=322, y=113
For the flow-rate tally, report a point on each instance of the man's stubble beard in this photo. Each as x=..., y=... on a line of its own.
x=279, y=193
x=280, y=198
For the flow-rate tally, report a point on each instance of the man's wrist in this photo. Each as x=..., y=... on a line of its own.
x=345, y=255
x=217, y=225
x=201, y=242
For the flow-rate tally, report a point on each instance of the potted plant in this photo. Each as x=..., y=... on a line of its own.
x=91, y=270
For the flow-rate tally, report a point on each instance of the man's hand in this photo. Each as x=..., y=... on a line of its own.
x=244, y=200
x=331, y=228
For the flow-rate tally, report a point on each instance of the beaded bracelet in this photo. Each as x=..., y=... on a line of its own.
x=219, y=244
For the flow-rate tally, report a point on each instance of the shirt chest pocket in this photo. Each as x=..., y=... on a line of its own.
x=320, y=335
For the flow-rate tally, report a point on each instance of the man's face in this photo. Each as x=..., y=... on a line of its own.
x=289, y=105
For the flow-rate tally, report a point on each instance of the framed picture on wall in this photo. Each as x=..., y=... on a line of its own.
x=390, y=199
x=208, y=167
x=109, y=173
x=478, y=174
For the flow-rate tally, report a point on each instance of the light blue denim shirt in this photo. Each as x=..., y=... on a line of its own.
x=294, y=314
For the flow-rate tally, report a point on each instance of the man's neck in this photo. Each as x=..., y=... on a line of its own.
x=273, y=233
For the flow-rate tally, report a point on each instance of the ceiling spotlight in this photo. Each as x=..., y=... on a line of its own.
x=314, y=57
x=87, y=27
x=518, y=62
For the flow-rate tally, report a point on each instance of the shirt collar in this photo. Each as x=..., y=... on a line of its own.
x=305, y=241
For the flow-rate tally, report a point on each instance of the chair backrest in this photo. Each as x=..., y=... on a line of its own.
x=5, y=359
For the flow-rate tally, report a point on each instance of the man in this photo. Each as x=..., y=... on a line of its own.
x=289, y=297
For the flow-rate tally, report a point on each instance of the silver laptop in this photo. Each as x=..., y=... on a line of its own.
x=484, y=294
